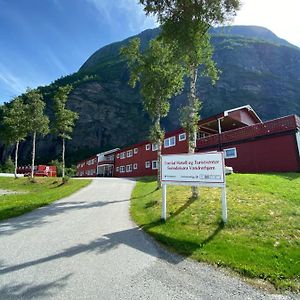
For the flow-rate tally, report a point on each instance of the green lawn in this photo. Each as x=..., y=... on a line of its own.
x=260, y=240
x=34, y=195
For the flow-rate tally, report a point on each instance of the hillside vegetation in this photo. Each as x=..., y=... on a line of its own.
x=257, y=68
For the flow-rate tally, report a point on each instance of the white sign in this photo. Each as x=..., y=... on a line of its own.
x=193, y=168
x=205, y=169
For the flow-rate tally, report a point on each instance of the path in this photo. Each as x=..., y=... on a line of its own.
x=86, y=247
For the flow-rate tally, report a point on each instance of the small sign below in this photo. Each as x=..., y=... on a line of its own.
x=201, y=168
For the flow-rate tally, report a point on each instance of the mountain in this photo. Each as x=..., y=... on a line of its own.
x=258, y=68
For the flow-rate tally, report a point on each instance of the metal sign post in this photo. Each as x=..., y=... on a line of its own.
x=205, y=169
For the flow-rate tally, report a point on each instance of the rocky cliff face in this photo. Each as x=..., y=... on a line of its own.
x=257, y=68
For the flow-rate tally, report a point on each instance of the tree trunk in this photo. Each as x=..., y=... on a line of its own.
x=63, y=158
x=192, y=103
x=33, y=154
x=16, y=159
x=159, y=144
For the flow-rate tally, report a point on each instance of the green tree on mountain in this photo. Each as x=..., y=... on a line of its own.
x=37, y=122
x=14, y=122
x=160, y=78
x=186, y=23
x=64, y=119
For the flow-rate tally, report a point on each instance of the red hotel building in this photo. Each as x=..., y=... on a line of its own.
x=249, y=145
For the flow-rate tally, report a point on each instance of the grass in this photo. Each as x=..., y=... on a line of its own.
x=260, y=240
x=33, y=195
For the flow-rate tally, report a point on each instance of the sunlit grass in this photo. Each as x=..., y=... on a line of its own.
x=33, y=195
x=261, y=238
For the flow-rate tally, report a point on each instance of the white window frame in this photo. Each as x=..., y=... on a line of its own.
x=129, y=153
x=230, y=156
x=147, y=147
x=135, y=150
x=135, y=166
x=122, y=169
x=154, y=164
x=128, y=168
x=117, y=169
x=122, y=155
x=154, y=147
x=182, y=137
x=147, y=164
x=167, y=142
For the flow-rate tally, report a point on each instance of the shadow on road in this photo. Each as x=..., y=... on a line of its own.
x=31, y=291
x=41, y=216
x=133, y=238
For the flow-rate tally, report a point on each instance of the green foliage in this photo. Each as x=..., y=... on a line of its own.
x=44, y=191
x=8, y=166
x=186, y=24
x=64, y=118
x=58, y=166
x=199, y=12
x=159, y=75
x=156, y=133
x=36, y=121
x=14, y=121
x=260, y=239
x=189, y=117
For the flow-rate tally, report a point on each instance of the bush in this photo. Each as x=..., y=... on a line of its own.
x=65, y=179
x=8, y=166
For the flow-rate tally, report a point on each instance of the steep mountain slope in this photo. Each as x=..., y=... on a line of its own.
x=258, y=68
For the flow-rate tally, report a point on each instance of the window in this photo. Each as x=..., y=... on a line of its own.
x=230, y=153
x=135, y=150
x=134, y=166
x=122, y=169
x=154, y=147
x=110, y=158
x=122, y=155
x=154, y=165
x=117, y=169
x=128, y=168
x=169, y=142
x=147, y=164
x=118, y=155
x=129, y=153
x=182, y=137
x=148, y=147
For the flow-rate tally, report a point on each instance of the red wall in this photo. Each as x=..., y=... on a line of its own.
x=85, y=167
x=144, y=155
x=269, y=154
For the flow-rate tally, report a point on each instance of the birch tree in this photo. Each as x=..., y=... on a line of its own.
x=186, y=23
x=37, y=121
x=160, y=78
x=64, y=119
x=15, y=129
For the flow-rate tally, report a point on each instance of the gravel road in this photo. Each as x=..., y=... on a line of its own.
x=86, y=247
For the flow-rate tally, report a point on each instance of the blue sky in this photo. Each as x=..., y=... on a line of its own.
x=42, y=40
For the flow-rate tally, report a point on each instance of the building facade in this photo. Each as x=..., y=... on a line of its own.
x=249, y=145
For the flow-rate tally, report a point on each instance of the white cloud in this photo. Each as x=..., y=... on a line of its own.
x=12, y=82
x=281, y=17
x=128, y=10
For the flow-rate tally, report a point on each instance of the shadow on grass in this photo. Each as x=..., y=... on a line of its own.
x=182, y=208
x=213, y=235
x=184, y=247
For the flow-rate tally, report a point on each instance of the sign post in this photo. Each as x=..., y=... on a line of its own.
x=201, y=169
